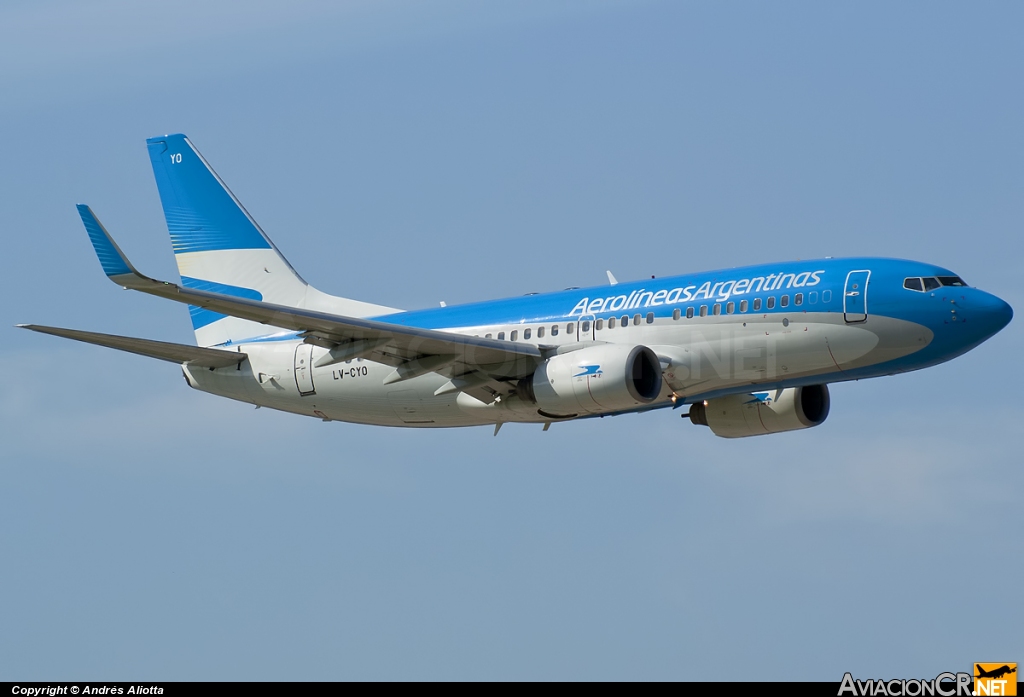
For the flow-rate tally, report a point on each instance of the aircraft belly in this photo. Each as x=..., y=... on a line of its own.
x=849, y=342
x=352, y=392
x=711, y=354
x=893, y=339
x=747, y=351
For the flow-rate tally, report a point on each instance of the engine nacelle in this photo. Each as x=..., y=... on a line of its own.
x=594, y=380
x=742, y=415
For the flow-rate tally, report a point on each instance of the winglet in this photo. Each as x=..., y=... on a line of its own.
x=611, y=279
x=112, y=259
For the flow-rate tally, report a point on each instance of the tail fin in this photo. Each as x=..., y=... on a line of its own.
x=220, y=248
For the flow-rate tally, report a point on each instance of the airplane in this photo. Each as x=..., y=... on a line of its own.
x=995, y=673
x=750, y=351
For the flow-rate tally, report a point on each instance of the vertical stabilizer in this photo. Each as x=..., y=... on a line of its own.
x=220, y=248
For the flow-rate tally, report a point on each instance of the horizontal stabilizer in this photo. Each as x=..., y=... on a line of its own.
x=175, y=353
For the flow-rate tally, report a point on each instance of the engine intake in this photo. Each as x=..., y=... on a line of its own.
x=594, y=380
x=739, y=416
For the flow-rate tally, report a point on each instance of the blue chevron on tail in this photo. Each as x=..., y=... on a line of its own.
x=202, y=214
x=218, y=246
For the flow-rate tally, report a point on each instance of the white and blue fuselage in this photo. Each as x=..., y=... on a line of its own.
x=743, y=330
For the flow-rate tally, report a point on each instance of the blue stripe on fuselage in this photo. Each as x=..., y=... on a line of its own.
x=886, y=281
x=887, y=296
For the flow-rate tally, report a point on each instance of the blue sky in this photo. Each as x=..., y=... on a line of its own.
x=406, y=153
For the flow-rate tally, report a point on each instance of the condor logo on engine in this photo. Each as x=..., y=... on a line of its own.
x=589, y=370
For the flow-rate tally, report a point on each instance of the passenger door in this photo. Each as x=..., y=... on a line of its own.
x=855, y=296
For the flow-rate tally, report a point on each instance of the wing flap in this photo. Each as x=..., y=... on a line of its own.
x=162, y=350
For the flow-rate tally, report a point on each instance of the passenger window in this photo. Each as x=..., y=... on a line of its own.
x=913, y=284
x=569, y=328
x=554, y=330
x=611, y=323
x=771, y=302
x=514, y=336
x=743, y=305
x=636, y=320
x=650, y=318
x=717, y=309
x=501, y=336
x=625, y=321
x=798, y=299
x=785, y=301
x=526, y=334
x=930, y=283
x=757, y=304
x=585, y=326
x=599, y=325
x=540, y=332
x=812, y=297
x=826, y=296
x=689, y=313
x=730, y=308
x=703, y=310
x=489, y=336
x=676, y=314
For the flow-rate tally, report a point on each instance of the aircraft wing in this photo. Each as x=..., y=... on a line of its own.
x=473, y=363
x=176, y=353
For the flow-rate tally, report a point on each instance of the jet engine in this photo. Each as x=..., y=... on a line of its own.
x=742, y=415
x=593, y=380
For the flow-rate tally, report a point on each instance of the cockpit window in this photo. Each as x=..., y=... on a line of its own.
x=926, y=284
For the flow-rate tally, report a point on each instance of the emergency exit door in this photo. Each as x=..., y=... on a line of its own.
x=585, y=328
x=304, y=369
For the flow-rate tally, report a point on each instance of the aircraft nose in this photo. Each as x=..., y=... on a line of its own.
x=1001, y=313
x=992, y=312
